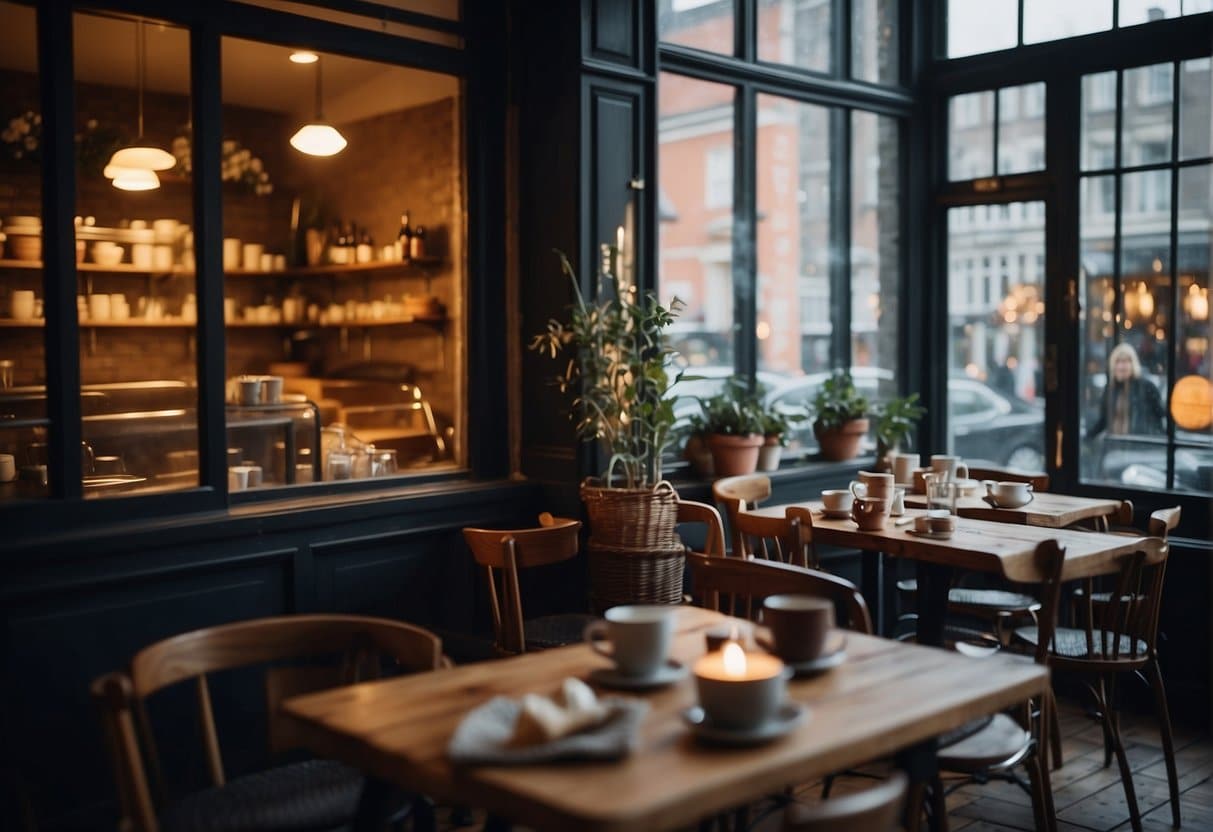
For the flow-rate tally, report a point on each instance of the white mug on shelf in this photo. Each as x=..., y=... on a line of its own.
x=252, y=256
x=23, y=304
x=231, y=253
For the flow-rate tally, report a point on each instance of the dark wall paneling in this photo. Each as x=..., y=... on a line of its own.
x=613, y=32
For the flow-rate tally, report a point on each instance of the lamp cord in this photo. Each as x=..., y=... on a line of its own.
x=319, y=109
x=140, y=47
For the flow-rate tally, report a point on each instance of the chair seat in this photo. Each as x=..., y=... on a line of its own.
x=300, y=797
x=555, y=630
x=1000, y=742
x=1072, y=643
x=994, y=599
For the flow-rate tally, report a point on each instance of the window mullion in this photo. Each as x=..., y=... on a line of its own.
x=745, y=233
x=1173, y=330
x=841, y=31
x=840, y=237
x=1117, y=207
x=745, y=27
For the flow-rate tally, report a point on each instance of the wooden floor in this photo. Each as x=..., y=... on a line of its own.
x=1087, y=795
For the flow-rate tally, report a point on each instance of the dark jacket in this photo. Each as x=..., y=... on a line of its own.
x=1146, y=412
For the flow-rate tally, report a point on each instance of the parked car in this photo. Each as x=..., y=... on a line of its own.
x=985, y=423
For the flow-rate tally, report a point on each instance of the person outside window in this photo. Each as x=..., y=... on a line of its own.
x=1131, y=404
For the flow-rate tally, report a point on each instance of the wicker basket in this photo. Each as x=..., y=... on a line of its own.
x=635, y=555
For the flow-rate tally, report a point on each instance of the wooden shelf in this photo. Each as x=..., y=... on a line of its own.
x=177, y=323
x=300, y=271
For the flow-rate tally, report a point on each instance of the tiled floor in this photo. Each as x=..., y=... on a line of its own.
x=1087, y=795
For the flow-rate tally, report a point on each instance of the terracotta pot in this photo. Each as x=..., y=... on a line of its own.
x=734, y=455
x=841, y=443
x=769, y=454
x=699, y=455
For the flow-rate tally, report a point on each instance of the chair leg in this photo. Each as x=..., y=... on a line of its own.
x=1126, y=773
x=1104, y=705
x=939, y=806
x=915, y=796
x=1164, y=727
x=1049, y=703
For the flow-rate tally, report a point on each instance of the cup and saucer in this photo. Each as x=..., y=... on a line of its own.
x=802, y=633
x=640, y=637
x=786, y=717
x=1008, y=494
x=833, y=654
x=836, y=503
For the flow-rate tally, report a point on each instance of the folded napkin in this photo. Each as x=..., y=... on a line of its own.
x=574, y=724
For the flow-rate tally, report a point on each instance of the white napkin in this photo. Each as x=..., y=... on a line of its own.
x=542, y=719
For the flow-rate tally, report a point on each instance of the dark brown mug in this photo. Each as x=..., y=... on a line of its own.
x=799, y=625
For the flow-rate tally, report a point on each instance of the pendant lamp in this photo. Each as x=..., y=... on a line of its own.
x=318, y=137
x=142, y=155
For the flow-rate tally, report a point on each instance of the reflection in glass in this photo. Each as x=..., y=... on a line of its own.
x=1133, y=12
x=1146, y=97
x=875, y=243
x=874, y=41
x=1021, y=128
x=1099, y=121
x=796, y=33
x=977, y=26
x=1193, y=360
x=971, y=135
x=1195, y=109
x=794, y=199
x=22, y=356
x=703, y=24
x=1049, y=20
x=996, y=309
x=695, y=135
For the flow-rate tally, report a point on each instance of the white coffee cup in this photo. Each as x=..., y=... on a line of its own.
x=1009, y=494
x=837, y=499
x=873, y=484
x=252, y=256
x=237, y=478
x=99, y=307
x=640, y=636
x=903, y=466
x=22, y=303
x=231, y=253
x=8, y=468
x=949, y=467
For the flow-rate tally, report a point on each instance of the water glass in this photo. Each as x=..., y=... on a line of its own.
x=941, y=494
x=383, y=462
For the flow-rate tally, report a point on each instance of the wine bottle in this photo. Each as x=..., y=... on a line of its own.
x=405, y=237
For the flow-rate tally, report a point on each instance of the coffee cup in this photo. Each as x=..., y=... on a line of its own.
x=249, y=390
x=873, y=484
x=837, y=499
x=8, y=468
x=22, y=304
x=949, y=467
x=799, y=625
x=640, y=637
x=237, y=478
x=870, y=513
x=1009, y=494
x=231, y=253
x=252, y=256
x=740, y=690
x=99, y=307
x=109, y=465
x=903, y=465
x=271, y=389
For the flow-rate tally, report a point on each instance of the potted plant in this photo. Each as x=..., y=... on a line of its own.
x=732, y=422
x=617, y=370
x=776, y=430
x=895, y=419
x=840, y=417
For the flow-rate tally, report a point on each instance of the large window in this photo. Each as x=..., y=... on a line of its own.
x=783, y=238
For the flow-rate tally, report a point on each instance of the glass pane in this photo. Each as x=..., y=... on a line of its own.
x=1194, y=363
x=1021, y=128
x=1195, y=110
x=996, y=334
x=1133, y=12
x=971, y=136
x=874, y=41
x=704, y=24
x=23, y=474
x=796, y=33
x=1196, y=6
x=1099, y=121
x=1146, y=100
x=343, y=283
x=1049, y=20
x=137, y=296
x=695, y=221
x=875, y=244
x=977, y=26
x=1099, y=322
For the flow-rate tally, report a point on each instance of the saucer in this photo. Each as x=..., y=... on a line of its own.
x=836, y=654
x=790, y=715
x=836, y=513
x=931, y=535
x=669, y=673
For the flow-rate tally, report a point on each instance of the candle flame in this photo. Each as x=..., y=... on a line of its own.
x=734, y=659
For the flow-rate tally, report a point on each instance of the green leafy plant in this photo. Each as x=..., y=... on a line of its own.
x=838, y=402
x=734, y=411
x=895, y=419
x=618, y=367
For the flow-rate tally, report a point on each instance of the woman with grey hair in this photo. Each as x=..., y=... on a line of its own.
x=1131, y=404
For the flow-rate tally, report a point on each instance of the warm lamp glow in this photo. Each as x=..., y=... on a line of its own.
x=304, y=57
x=143, y=156
x=318, y=140
x=1198, y=303
x=1145, y=301
x=734, y=660
x=1192, y=403
x=136, y=179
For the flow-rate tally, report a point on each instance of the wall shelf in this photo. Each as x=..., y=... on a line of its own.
x=177, y=323
x=299, y=271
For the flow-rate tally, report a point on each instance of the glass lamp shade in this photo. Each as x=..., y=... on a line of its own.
x=133, y=179
x=318, y=139
x=146, y=157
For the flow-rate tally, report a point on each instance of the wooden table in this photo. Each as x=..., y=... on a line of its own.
x=888, y=697
x=1051, y=511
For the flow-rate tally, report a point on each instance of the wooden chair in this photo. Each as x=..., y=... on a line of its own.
x=877, y=809
x=1121, y=639
x=693, y=512
x=1039, y=482
x=737, y=494
x=309, y=795
x=738, y=587
x=787, y=539
x=502, y=552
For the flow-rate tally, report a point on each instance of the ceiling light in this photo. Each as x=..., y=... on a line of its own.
x=318, y=137
x=303, y=57
x=141, y=155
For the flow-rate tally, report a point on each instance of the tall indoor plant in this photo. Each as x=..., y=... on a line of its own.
x=618, y=371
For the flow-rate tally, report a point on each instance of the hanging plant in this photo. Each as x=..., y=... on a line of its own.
x=237, y=165
x=22, y=137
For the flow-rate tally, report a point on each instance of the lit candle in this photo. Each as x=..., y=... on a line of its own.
x=732, y=663
x=740, y=690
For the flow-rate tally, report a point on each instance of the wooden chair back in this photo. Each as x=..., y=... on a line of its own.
x=690, y=511
x=360, y=642
x=787, y=539
x=1039, y=482
x=877, y=809
x=738, y=587
x=1163, y=522
x=737, y=494
x=502, y=552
